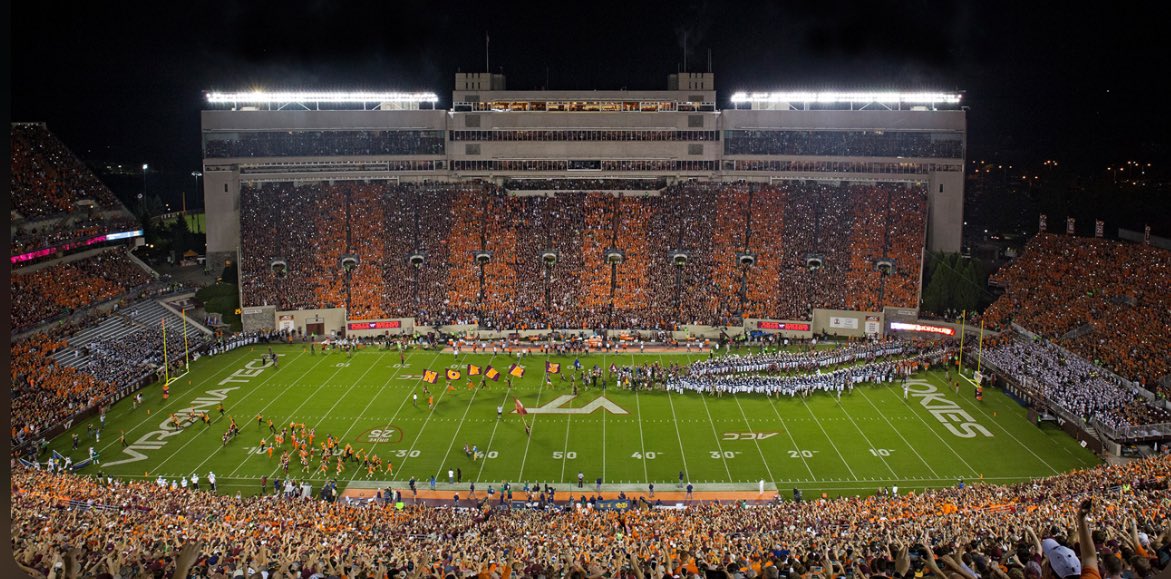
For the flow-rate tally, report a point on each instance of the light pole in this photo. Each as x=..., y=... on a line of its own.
x=197, y=175
x=144, y=168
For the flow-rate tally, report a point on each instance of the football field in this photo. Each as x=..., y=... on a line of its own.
x=872, y=437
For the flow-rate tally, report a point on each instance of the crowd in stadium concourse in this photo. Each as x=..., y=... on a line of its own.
x=842, y=143
x=471, y=253
x=65, y=287
x=1108, y=521
x=1076, y=385
x=1116, y=294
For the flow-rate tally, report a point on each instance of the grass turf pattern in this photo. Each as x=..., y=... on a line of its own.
x=872, y=437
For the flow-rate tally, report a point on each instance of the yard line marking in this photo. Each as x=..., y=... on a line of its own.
x=826, y=434
x=862, y=390
x=427, y=421
x=678, y=436
x=754, y=440
x=532, y=427
x=397, y=410
x=1006, y=431
x=490, y=439
x=303, y=402
x=565, y=449
x=475, y=391
x=796, y=447
x=870, y=444
x=197, y=437
x=716, y=435
x=187, y=392
x=641, y=440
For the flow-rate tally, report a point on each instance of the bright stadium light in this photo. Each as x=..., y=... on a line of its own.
x=261, y=97
x=831, y=97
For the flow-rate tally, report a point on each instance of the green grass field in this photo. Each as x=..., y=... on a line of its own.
x=872, y=438
x=195, y=222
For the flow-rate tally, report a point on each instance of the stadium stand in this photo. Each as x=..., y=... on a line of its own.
x=849, y=228
x=1076, y=386
x=47, y=178
x=62, y=288
x=148, y=528
x=1112, y=296
x=45, y=392
x=55, y=198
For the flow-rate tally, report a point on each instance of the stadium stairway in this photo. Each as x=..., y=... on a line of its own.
x=145, y=314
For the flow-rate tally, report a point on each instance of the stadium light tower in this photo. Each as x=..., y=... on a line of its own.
x=197, y=175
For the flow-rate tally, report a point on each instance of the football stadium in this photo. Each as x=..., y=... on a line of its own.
x=578, y=333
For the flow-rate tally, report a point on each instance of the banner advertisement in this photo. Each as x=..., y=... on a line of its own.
x=1147, y=235
x=1044, y=224
x=903, y=327
x=843, y=323
x=1099, y=228
x=1069, y=226
x=778, y=325
x=286, y=323
x=872, y=325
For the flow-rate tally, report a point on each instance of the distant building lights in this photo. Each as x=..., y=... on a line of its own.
x=262, y=97
x=848, y=97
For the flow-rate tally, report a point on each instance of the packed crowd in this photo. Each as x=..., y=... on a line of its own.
x=544, y=259
x=47, y=178
x=844, y=143
x=62, y=288
x=1072, y=383
x=1119, y=291
x=1108, y=521
x=130, y=357
x=45, y=392
x=324, y=143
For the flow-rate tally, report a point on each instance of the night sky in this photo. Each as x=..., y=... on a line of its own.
x=122, y=82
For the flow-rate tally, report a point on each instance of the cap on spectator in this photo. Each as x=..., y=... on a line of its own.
x=1144, y=539
x=1062, y=559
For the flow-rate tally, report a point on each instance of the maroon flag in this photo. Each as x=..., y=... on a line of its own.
x=520, y=408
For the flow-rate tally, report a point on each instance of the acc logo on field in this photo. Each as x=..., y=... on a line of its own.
x=391, y=434
x=748, y=435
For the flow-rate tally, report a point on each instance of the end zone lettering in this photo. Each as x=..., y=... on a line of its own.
x=156, y=439
x=954, y=418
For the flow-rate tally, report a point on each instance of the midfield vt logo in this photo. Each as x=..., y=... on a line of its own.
x=555, y=407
